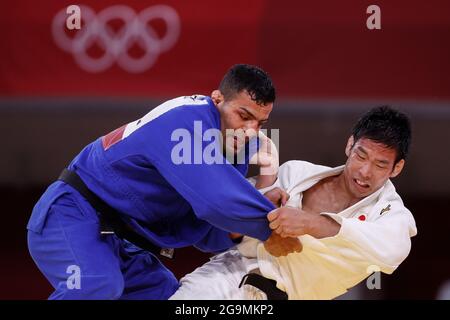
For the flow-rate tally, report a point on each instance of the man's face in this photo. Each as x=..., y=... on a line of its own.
x=369, y=166
x=242, y=115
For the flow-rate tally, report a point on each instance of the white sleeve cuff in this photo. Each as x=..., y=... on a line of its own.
x=333, y=216
x=276, y=184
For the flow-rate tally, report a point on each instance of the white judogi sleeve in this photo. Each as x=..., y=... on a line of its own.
x=383, y=240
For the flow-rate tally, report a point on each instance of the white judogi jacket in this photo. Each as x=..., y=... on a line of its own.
x=374, y=236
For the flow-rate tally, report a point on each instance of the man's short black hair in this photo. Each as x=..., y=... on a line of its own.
x=387, y=126
x=254, y=80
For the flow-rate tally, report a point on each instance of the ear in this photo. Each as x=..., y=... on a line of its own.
x=217, y=97
x=349, y=146
x=398, y=168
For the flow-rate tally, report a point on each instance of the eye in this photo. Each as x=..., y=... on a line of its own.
x=360, y=156
x=381, y=167
x=244, y=117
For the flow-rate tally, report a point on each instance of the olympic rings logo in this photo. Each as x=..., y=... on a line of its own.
x=116, y=44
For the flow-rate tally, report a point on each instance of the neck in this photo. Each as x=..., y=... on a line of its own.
x=341, y=188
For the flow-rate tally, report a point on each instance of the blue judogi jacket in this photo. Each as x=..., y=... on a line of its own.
x=172, y=204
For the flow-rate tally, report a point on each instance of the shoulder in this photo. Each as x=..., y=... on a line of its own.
x=182, y=112
x=390, y=206
x=296, y=167
x=195, y=104
x=294, y=170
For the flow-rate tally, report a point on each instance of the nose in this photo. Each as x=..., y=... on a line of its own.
x=252, y=125
x=251, y=131
x=365, y=171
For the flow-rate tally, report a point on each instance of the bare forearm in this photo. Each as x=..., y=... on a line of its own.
x=320, y=226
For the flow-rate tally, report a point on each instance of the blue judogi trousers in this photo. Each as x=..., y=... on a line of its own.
x=65, y=242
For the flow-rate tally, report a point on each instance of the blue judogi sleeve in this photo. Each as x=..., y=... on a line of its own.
x=218, y=193
x=215, y=241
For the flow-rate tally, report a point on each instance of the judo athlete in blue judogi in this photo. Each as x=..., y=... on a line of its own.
x=135, y=171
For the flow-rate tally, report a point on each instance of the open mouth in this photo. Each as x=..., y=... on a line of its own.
x=361, y=184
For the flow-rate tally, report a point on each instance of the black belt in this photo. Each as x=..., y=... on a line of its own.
x=268, y=286
x=110, y=221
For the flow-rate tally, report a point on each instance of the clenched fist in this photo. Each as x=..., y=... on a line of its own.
x=289, y=222
x=295, y=222
x=277, y=196
x=267, y=157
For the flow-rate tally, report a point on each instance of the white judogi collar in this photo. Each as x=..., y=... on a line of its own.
x=319, y=173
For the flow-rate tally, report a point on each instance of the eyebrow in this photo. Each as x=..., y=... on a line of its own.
x=253, y=116
x=362, y=150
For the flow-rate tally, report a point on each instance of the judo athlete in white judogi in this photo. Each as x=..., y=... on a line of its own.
x=349, y=219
